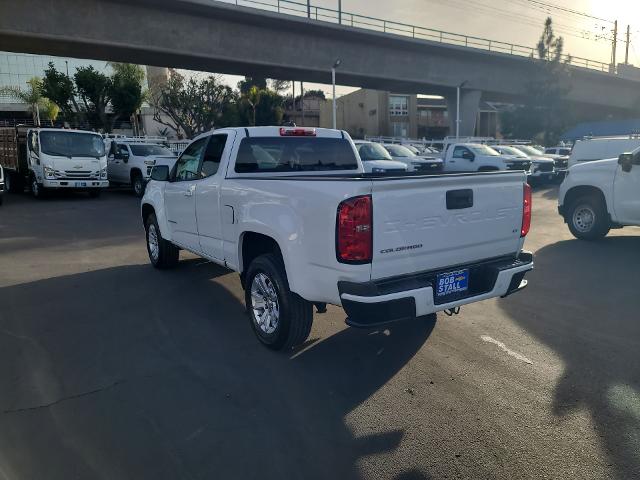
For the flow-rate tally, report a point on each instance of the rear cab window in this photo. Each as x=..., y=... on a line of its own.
x=294, y=154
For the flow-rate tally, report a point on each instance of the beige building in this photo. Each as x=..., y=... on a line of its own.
x=376, y=113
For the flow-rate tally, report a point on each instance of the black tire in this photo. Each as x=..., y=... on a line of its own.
x=587, y=218
x=295, y=314
x=95, y=193
x=167, y=254
x=137, y=182
x=13, y=183
x=37, y=190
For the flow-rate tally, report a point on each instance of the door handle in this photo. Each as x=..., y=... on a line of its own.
x=189, y=191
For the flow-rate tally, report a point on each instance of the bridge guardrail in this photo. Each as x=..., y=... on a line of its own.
x=304, y=9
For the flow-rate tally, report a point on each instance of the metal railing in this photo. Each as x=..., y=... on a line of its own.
x=324, y=14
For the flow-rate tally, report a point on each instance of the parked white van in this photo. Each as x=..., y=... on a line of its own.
x=599, y=148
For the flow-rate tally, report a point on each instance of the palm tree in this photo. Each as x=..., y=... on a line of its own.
x=51, y=110
x=32, y=96
x=252, y=97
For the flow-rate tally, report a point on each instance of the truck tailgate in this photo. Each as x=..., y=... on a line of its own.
x=428, y=223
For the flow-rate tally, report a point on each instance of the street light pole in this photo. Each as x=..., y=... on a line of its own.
x=336, y=64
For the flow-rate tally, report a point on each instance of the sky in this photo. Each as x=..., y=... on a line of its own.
x=511, y=21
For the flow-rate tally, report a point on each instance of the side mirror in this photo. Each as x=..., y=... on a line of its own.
x=125, y=157
x=626, y=162
x=160, y=173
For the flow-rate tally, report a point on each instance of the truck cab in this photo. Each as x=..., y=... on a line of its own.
x=477, y=157
x=599, y=195
x=64, y=159
x=130, y=161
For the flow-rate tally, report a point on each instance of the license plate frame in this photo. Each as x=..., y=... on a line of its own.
x=452, y=285
x=80, y=184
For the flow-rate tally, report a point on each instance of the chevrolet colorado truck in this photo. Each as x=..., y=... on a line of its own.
x=294, y=213
x=600, y=195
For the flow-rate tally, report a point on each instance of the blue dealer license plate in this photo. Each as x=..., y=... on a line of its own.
x=452, y=284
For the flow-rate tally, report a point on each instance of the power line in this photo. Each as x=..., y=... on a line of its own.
x=569, y=10
x=518, y=17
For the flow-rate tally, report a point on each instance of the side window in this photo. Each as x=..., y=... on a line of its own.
x=458, y=152
x=213, y=155
x=187, y=165
x=33, y=142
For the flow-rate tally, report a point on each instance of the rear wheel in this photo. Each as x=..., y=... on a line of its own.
x=138, y=184
x=588, y=219
x=280, y=318
x=162, y=253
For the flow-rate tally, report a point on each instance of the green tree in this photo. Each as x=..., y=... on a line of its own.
x=280, y=86
x=32, y=96
x=252, y=98
x=190, y=107
x=544, y=114
x=94, y=89
x=245, y=85
x=60, y=89
x=127, y=92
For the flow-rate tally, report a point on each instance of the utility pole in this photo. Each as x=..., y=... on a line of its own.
x=340, y=12
x=302, y=101
x=293, y=98
x=615, y=45
x=308, y=8
x=626, y=53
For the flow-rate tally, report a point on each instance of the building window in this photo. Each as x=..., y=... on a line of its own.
x=398, y=105
x=400, y=129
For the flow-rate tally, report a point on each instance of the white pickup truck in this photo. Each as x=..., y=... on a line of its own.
x=599, y=195
x=293, y=212
x=477, y=157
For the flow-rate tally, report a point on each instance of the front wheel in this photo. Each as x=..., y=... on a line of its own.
x=37, y=190
x=138, y=185
x=280, y=318
x=162, y=253
x=588, y=219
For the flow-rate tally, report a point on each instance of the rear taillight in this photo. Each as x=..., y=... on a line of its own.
x=526, y=211
x=354, y=230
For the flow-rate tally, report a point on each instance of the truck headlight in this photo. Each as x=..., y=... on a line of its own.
x=149, y=162
x=49, y=172
x=103, y=172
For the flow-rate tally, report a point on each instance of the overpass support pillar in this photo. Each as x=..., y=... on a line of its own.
x=469, y=107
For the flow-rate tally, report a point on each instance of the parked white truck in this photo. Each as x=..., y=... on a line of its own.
x=53, y=158
x=599, y=195
x=293, y=212
x=130, y=160
x=477, y=157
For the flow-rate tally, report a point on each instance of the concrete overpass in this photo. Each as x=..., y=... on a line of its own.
x=212, y=36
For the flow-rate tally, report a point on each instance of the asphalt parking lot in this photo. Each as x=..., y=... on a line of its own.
x=110, y=369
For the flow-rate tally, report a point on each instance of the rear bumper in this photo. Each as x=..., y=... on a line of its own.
x=400, y=298
x=77, y=184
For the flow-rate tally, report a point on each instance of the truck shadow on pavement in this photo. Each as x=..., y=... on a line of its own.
x=133, y=373
x=594, y=288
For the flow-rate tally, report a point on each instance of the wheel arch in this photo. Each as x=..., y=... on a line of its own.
x=251, y=245
x=583, y=191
